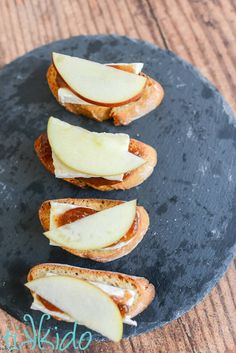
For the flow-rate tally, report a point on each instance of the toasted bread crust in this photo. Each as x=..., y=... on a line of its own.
x=145, y=290
x=152, y=96
x=99, y=205
x=131, y=179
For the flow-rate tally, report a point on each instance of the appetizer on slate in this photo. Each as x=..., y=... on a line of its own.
x=103, y=161
x=103, y=91
x=101, y=230
x=100, y=300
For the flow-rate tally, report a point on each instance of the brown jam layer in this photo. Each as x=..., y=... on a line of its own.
x=74, y=214
x=123, y=68
x=60, y=82
x=81, y=212
x=48, y=305
x=121, y=302
x=124, y=309
x=99, y=181
x=131, y=231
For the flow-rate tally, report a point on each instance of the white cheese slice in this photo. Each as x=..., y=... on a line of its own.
x=128, y=321
x=65, y=95
x=116, y=291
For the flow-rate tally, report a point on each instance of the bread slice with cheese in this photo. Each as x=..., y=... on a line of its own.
x=150, y=98
x=143, y=154
x=54, y=213
x=131, y=294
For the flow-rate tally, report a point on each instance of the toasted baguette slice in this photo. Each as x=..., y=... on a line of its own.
x=123, y=115
x=130, y=180
x=100, y=255
x=145, y=290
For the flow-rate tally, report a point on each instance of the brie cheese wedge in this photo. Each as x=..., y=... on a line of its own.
x=65, y=95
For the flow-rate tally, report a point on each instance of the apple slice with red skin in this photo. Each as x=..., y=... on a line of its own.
x=97, y=83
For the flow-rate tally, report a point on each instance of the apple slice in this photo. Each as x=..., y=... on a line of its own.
x=84, y=302
x=97, y=83
x=65, y=95
x=98, y=154
x=96, y=231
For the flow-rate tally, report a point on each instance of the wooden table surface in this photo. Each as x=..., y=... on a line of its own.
x=203, y=32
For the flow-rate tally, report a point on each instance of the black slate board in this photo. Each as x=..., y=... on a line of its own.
x=191, y=196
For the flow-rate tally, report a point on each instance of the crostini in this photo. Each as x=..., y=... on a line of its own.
x=103, y=161
x=100, y=300
x=128, y=223
x=103, y=91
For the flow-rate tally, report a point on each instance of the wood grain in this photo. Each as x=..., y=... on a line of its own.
x=203, y=33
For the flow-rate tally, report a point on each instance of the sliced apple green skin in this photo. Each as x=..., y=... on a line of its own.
x=88, y=152
x=83, y=301
x=97, y=83
x=96, y=231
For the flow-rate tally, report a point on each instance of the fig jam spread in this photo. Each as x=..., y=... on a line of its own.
x=74, y=214
x=48, y=305
x=121, y=303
